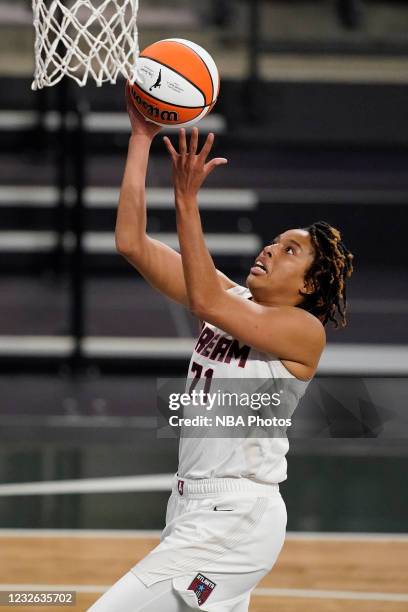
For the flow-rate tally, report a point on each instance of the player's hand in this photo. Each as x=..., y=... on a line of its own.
x=190, y=167
x=140, y=126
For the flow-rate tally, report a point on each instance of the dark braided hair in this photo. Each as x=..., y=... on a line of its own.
x=331, y=267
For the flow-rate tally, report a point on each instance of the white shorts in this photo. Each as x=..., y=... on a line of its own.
x=221, y=537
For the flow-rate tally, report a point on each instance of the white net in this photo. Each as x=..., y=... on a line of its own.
x=84, y=39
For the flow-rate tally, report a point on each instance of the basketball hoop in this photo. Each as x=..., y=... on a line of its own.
x=84, y=39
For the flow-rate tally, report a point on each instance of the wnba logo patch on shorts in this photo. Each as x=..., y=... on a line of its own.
x=180, y=486
x=202, y=587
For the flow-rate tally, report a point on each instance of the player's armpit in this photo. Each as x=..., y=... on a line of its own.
x=288, y=332
x=162, y=268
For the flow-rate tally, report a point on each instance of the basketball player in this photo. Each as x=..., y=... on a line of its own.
x=226, y=520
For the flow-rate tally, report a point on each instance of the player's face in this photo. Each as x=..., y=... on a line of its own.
x=278, y=273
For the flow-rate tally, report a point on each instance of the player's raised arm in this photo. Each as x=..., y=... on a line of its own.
x=270, y=323
x=160, y=265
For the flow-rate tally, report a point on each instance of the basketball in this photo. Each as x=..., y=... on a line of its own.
x=177, y=83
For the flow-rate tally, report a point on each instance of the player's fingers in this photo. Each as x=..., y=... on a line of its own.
x=194, y=141
x=211, y=165
x=207, y=146
x=182, y=142
x=172, y=151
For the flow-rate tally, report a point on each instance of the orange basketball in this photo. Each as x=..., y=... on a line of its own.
x=177, y=83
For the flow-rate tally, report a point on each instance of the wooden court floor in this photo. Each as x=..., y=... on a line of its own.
x=320, y=573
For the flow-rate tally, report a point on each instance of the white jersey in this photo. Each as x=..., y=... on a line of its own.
x=224, y=363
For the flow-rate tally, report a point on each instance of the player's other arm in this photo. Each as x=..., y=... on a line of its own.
x=160, y=265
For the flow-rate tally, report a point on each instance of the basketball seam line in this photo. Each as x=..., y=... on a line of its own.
x=184, y=77
x=206, y=67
